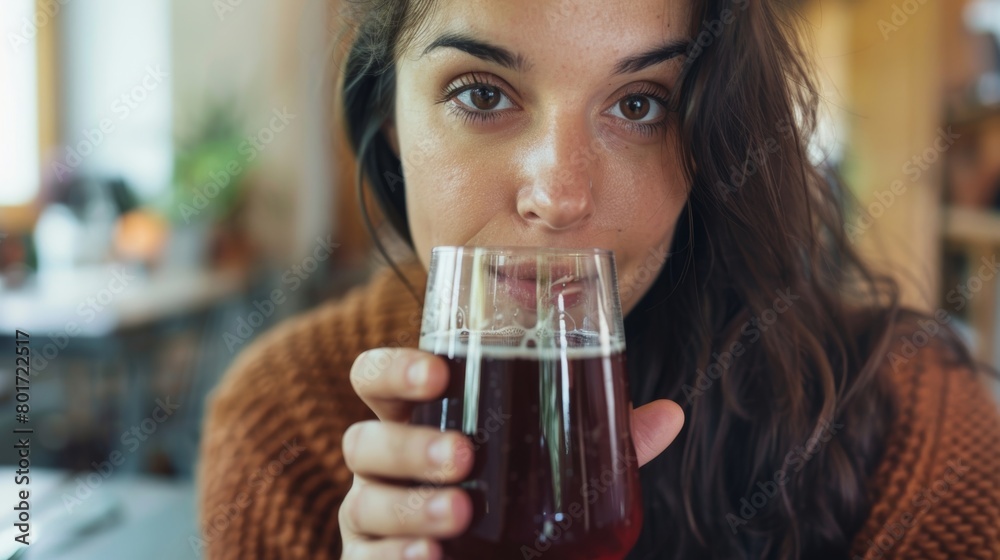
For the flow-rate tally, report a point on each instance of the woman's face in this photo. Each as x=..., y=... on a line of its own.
x=544, y=123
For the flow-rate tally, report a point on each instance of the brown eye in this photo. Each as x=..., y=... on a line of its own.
x=484, y=98
x=643, y=110
x=477, y=101
x=634, y=107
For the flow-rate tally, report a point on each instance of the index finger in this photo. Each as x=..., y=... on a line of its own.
x=390, y=380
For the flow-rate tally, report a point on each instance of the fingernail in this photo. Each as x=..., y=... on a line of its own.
x=417, y=373
x=441, y=450
x=416, y=551
x=439, y=507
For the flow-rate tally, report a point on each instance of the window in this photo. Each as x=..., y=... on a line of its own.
x=19, y=170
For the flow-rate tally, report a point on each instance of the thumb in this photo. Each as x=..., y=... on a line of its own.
x=654, y=427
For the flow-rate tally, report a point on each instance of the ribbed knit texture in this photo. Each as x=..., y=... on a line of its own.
x=272, y=475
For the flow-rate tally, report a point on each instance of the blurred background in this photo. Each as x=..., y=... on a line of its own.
x=172, y=184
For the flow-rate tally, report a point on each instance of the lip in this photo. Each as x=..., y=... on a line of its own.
x=524, y=251
x=565, y=292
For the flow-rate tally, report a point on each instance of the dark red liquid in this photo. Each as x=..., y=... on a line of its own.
x=555, y=474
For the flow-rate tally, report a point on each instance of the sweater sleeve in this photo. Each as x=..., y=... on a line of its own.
x=937, y=489
x=272, y=476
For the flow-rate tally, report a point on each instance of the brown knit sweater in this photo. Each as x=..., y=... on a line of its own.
x=272, y=475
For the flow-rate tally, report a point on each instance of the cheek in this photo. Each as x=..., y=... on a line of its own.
x=449, y=191
x=640, y=263
x=650, y=207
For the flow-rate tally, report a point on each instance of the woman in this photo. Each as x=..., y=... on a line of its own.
x=819, y=419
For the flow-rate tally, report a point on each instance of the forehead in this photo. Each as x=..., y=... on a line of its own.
x=547, y=31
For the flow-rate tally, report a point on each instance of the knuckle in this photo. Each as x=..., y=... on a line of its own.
x=342, y=520
x=350, y=510
x=352, y=437
x=356, y=513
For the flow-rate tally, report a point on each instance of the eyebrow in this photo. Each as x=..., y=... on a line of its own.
x=652, y=57
x=519, y=63
x=481, y=50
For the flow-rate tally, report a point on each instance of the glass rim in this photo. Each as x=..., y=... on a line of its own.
x=506, y=250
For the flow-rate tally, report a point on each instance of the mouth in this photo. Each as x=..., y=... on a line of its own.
x=521, y=284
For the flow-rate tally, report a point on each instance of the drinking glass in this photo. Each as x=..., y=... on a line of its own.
x=535, y=347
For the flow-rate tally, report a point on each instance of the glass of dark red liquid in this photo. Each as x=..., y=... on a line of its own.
x=535, y=345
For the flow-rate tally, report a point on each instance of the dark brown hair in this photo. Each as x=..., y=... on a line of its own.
x=764, y=322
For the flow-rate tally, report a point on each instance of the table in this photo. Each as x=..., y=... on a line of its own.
x=54, y=300
x=128, y=517
x=111, y=319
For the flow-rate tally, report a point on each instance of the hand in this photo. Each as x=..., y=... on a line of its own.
x=383, y=515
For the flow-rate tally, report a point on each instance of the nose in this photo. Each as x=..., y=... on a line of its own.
x=559, y=194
